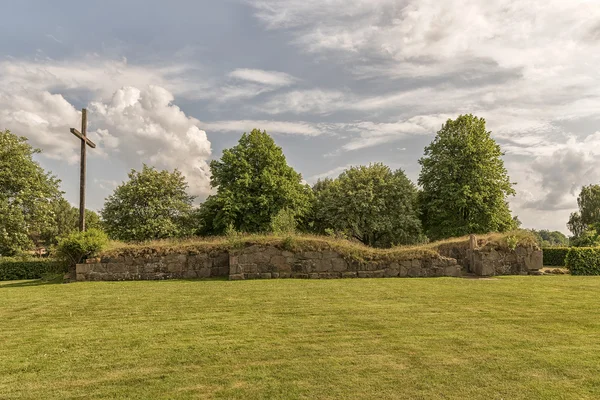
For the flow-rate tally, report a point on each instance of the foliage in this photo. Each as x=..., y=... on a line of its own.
x=66, y=221
x=555, y=256
x=372, y=204
x=151, y=205
x=588, y=238
x=77, y=246
x=547, y=238
x=464, y=182
x=27, y=195
x=253, y=184
x=284, y=222
x=576, y=225
x=17, y=269
x=512, y=241
x=583, y=261
x=585, y=224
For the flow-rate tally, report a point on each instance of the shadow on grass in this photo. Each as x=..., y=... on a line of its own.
x=28, y=283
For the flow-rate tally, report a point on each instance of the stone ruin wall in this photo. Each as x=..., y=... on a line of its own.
x=269, y=262
x=155, y=267
x=262, y=262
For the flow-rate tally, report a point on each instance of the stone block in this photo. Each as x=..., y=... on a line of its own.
x=349, y=274
x=286, y=253
x=274, y=275
x=329, y=254
x=236, y=277
x=323, y=265
x=203, y=273
x=403, y=271
x=378, y=274
x=453, y=270
x=310, y=255
x=189, y=274
x=330, y=275
x=82, y=268
x=221, y=260
x=415, y=263
x=338, y=264
x=249, y=268
x=313, y=275
x=265, y=275
x=414, y=272
x=365, y=274
x=80, y=277
x=535, y=261
x=285, y=274
x=300, y=275
x=235, y=269
x=391, y=272
x=252, y=275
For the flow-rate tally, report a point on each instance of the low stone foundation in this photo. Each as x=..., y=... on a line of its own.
x=261, y=262
x=490, y=261
x=155, y=267
x=271, y=261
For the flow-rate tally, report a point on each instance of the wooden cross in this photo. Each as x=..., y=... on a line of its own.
x=84, y=142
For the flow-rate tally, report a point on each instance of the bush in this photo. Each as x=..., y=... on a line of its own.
x=284, y=222
x=583, y=261
x=555, y=256
x=13, y=269
x=80, y=245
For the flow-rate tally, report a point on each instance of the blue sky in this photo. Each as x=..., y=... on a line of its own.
x=335, y=82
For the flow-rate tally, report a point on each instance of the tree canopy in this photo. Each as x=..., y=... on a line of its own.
x=151, y=205
x=585, y=224
x=372, y=204
x=254, y=183
x=464, y=181
x=27, y=195
x=548, y=238
x=66, y=220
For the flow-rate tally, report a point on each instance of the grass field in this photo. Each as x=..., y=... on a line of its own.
x=505, y=338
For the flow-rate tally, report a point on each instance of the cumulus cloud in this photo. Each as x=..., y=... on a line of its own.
x=149, y=128
x=44, y=118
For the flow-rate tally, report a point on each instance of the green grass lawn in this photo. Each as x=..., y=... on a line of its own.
x=445, y=338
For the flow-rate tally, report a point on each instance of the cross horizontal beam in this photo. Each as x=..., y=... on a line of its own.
x=80, y=136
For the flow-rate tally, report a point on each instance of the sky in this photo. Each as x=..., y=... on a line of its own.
x=335, y=82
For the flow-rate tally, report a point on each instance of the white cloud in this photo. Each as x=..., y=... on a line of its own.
x=272, y=127
x=150, y=129
x=270, y=78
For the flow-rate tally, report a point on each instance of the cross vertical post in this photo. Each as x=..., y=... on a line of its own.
x=82, y=171
x=84, y=142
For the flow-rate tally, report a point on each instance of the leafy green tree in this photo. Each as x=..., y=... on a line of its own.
x=585, y=223
x=547, y=238
x=151, y=205
x=66, y=221
x=27, y=195
x=254, y=183
x=372, y=204
x=464, y=182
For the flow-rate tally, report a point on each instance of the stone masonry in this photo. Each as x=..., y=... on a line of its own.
x=268, y=262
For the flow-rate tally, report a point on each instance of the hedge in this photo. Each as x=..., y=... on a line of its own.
x=583, y=261
x=13, y=269
x=555, y=256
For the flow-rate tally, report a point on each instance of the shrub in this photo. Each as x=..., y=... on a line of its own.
x=555, y=256
x=284, y=222
x=13, y=269
x=80, y=245
x=583, y=261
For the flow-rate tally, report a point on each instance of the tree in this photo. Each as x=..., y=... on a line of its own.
x=254, y=183
x=585, y=224
x=66, y=220
x=27, y=195
x=373, y=204
x=465, y=184
x=151, y=205
x=547, y=238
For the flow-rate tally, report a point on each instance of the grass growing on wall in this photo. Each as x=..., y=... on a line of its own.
x=506, y=338
x=299, y=242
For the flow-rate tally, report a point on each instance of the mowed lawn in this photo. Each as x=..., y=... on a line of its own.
x=506, y=338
